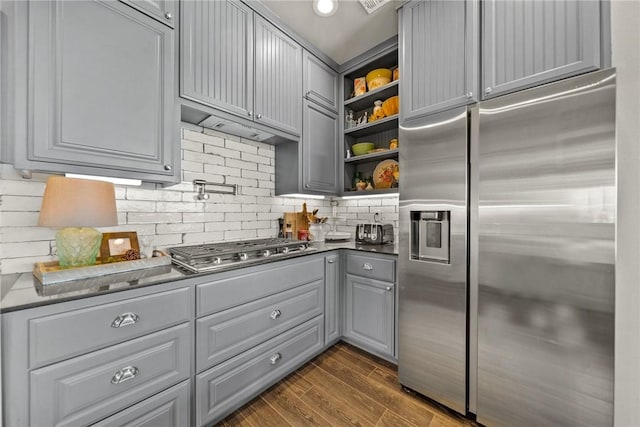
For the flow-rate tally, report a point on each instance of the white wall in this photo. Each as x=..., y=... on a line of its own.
x=172, y=216
x=625, y=24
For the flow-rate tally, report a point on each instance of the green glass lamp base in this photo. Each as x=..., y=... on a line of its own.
x=78, y=247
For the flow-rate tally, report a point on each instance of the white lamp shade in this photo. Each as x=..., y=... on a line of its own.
x=71, y=202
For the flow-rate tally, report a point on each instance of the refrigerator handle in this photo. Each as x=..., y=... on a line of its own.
x=474, y=180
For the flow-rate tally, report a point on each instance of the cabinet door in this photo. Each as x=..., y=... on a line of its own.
x=162, y=10
x=529, y=42
x=369, y=313
x=439, y=56
x=216, y=55
x=319, y=149
x=278, y=78
x=320, y=82
x=332, y=300
x=101, y=88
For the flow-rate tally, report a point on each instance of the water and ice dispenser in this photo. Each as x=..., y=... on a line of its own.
x=430, y=236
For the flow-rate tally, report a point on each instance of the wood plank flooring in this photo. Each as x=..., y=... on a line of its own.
x=343, y=386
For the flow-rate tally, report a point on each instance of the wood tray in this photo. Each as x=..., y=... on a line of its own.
x=50, y=273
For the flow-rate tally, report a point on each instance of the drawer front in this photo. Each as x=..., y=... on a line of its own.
x=88, y=388
x=171, y=408
x=60, y=336
x=234, y=382
x=239, y=289
x=230, y=332
x=373, y=268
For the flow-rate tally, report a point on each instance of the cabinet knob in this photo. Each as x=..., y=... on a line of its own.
x=469, y=95
x=367, y=266
x=275, y=358
x=308, y=93
x=167, y=167
x=275, y=314
x=125, y=319
x=259, y=116
x=249, y=113
x=331, y=261
x=168, y=15
x=488, y=90
x=307, y=186
x=388, y=288
x=125, y=374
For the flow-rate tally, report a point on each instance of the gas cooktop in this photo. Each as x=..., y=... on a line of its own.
x=216, y=256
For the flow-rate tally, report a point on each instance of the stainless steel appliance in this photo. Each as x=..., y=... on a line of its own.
x=218, y=256
x=516, y=322
x=374, y=233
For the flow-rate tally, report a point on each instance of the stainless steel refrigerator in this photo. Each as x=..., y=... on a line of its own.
x=506, y=261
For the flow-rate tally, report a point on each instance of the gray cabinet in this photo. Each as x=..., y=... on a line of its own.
x=216, y=55
x=439, y=61
x=235, y=61
x=319, y=149
x=529, y=42
x=95, y=92
x=278, y=78
x=319, y=82
x=332, y=299
x=369, y=314
x=171, y=408
x=162, y=10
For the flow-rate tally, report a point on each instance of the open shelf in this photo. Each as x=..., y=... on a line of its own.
x=389, y=154
x=379, y=125
x=364, y=101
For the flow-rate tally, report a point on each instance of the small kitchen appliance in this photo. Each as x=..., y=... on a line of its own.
x=374, y=234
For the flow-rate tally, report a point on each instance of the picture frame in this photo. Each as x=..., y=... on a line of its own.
x=115, y=245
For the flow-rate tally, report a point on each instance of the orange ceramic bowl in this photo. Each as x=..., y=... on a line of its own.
x=378, y=77
x=391, y=106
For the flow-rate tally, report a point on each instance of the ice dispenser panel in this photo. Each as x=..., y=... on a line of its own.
x=430, y=236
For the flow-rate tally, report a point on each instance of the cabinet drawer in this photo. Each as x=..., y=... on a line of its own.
x=88, y=388
x=240, y=289
x=230, y=332
x=60, y=336
x=170, y=408
x=373, y=268
x=232, y=383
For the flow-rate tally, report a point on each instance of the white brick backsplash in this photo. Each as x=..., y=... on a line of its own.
x=193, y=227
x=20, y=203
x=171, y=216
x=153, y=218
x=24, y=249
x=202, y=217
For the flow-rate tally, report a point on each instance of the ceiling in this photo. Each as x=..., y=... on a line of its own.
x=349, y=32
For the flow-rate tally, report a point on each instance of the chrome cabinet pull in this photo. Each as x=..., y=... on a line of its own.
x=469, y=95
x=331, y=261
x=250, y=113
x=167, y=167
x=388, y=288
x=367, y=266
x=488, y=90
x=275, y=358
x=125, y=319
x=259, y=116
x=275, y=314
x=168, y=15
x=125, y=374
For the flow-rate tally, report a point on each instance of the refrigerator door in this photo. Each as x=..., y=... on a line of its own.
x=432, y=261
x=545, y=267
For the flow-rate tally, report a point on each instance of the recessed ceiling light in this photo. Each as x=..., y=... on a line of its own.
x=325, y=7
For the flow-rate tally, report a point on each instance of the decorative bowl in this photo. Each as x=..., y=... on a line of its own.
x=390, y=106
x=378, y=77
x=362, y=148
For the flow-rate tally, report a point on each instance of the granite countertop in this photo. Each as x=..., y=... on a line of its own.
x=21, y=291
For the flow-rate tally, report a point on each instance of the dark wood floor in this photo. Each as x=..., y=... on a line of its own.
x=343, y=386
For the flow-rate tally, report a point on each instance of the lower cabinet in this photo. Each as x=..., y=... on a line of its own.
x=171, y=408
x=370, y=314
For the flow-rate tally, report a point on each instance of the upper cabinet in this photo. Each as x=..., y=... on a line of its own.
x=162, y=10
x=235, y=61
x=529, y=42
x=319, y=149
x=93, y=90
x=320, y=82
x=439, y=56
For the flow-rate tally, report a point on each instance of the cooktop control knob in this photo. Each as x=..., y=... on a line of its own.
x=302, y=247
x=243, y=256
x=217, y=261
x=266, y=253
x=285, y=250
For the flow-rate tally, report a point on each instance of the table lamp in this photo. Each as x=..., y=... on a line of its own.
x=78, y=205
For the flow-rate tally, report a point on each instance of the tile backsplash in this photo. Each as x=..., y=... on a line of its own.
x=171, y=216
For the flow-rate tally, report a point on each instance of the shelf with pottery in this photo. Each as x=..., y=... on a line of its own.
x=378, y=155
x=370, y=128
x=364, y=101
